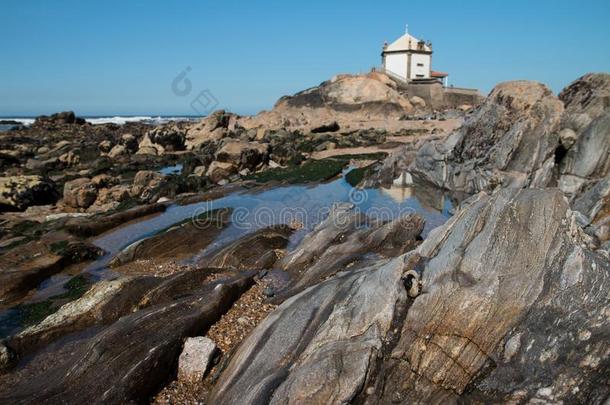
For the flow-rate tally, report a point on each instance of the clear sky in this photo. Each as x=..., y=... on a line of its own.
x=120, y=57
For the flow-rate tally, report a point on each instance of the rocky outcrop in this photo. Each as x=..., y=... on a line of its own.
x=343, y=239
x=80, y=193
x=20, y=192
x=61, y=118
x=318, y=346
x=25, y=266
x=513, y=307
x=531, y=323
x=91, y=226
x=106, y=367
x=147, y=147
x=255, y=251
x=212, y=128
x=585, y=132
x=511, y=138
x=149, y=186
x=342, y=100
x=218, y=171
x=179, y=241
x=170, y=137
x=245, y=155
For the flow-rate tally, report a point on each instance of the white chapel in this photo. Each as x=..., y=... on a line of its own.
x=410, y=60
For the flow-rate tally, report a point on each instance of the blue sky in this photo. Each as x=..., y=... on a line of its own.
x=120, y=57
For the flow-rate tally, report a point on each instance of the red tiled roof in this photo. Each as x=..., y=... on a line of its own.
x=438, y=74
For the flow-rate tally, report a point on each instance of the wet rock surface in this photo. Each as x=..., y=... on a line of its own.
x=507, y=302
x=106, y=368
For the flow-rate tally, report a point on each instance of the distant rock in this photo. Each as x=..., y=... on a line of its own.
x=332, y=127
x=80, y=193
x=417, y=102
x=243, y=154
x=20, y=192
x=66, y=117
x=118, y=150
x=212, y=128
x=171, y=138
x=148, y=147
x=343, y=99
x=148, y=186
x=218, y=171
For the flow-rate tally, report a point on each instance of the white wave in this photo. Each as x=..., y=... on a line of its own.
x=120, y=120
x=117, y=120
x=24, y=121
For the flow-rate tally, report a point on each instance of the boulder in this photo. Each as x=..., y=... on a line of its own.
x=69, y=159
x=105, y=146
x=148, y=186
x=243, y=154
x=129, y=141
x=116, y=151
x=511, y=138
x=212, y=128
x=218, y=171
x=170, y=137
x=148, y=147
x=20, y=192
x=417, y=102
x=80, y=193
x=110, y=198
x=195, y=358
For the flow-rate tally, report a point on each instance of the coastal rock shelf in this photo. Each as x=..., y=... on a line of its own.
x=350, y=246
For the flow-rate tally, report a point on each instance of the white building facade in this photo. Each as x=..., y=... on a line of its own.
x=410, y=59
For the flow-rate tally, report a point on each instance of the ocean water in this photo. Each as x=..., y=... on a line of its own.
x=116, y=119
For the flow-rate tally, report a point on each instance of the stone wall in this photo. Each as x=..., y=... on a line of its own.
x=440, y=97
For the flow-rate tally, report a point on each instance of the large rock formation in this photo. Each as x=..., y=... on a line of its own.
x=514, y=307
x=343, y=239
x=105, y=367
x=344, y=99
x=511, y=138
x=522, y=137
x=317, y=347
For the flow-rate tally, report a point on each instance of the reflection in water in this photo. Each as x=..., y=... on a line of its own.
x=307, y=204
x=176, y=169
